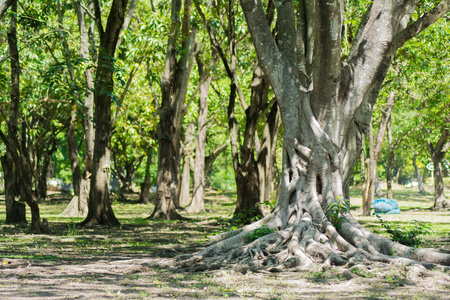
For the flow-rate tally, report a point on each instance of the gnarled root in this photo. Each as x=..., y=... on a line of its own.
x=307, y=243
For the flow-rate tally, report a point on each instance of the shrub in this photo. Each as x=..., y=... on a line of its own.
x=407, y=236
x=259, y=232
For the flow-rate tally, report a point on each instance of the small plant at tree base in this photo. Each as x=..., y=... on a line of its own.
x=405, y=236
x=259, y=232
x=336, y=210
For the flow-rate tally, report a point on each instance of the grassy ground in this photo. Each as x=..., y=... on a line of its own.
x=135, y=260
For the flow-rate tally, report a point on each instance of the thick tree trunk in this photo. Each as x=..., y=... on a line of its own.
x=326, y=107
x=15, y=211
x=167, y=182
x=174, y=84
x=99, y=206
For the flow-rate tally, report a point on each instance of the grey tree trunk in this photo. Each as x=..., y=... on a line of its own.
x=326, y=106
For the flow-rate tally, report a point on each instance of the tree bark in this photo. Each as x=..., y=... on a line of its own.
x=99, y=206
x=174, y=84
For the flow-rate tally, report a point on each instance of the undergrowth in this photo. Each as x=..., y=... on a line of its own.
x=407, y=236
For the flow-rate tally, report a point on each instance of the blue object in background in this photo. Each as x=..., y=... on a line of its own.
x=386, y=206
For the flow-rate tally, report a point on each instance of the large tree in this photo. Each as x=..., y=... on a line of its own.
x=326, y=95
x=174, y=85
x=99, y=207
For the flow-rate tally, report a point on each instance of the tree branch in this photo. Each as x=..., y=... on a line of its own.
x=421, y=24
x=4, y=5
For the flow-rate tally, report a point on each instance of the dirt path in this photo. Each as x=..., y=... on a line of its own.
x=155, y=278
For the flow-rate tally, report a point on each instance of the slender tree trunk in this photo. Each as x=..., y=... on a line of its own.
x=397, y=176
x=418, y=176
x=71, y=141
x=78, y=204
x=390, y=163
x=184, y=198
x=73, y=154
x=198, y=191
x=437, y=154
x=145, y=196
x=375, y=150
x=370, y=182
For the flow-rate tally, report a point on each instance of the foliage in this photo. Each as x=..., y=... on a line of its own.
x=336, y=211
x=259, y=232
x=407, y=236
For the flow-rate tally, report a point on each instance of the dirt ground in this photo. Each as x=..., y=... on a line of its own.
x=138, y=261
